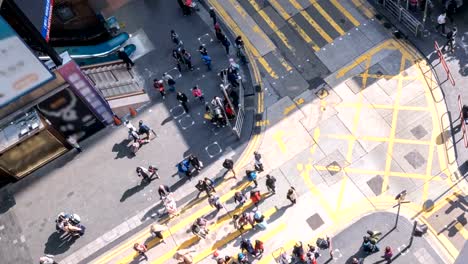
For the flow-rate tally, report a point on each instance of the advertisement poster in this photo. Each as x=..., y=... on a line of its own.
x=20, y=70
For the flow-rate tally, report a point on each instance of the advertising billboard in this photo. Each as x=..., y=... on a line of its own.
x=20, y=70
x=39, y=12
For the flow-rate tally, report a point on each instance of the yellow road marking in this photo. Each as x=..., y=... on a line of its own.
x=278, y=137
x=311, y=21
x=345, y=13
x=327, y=17
x=293, y=23
x=389, y=159
x=443, y=202
x=444, y=241
x=461, y=230
x=388, y=44
x=262, y=123
x=271, y=24
x=379, y=139
x=363, y=8
x=390, y=107
x=233, y=25
x=341, y=193
x=349, y=170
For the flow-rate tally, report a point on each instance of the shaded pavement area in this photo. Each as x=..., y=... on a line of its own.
x=100, y=184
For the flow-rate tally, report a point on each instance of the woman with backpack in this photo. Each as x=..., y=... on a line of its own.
x=252, y=177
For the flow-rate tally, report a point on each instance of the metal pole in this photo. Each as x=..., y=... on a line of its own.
x=168, y=229
x=412, y=233
x=34, y=33
x=398, y=214
x=425, y=11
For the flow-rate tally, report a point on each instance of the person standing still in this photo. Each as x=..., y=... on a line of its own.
x=207, y=61
x=213, y=15
x=450, y=40
x=187, y=59
x=292, y=196
x=252, y=177
x=225, y=42
x=159, y=85
x=183, y=100
x=74, y=143
x=169, y=81
x=271, y=183
x=124, y=56
x=441, y=20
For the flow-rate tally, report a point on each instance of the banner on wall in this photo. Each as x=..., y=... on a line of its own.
x=81, y=86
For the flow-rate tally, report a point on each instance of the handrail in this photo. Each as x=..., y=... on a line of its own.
x=86, y=56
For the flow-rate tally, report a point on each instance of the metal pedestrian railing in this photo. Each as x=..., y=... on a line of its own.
x=395, y=8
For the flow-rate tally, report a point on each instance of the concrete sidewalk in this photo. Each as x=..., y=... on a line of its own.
x=100, y=184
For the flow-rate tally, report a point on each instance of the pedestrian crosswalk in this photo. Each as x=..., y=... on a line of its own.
x=316, y=23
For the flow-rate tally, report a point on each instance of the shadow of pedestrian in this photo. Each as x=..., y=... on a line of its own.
x=133, y=190
x=279, y=212
x=167, y=120
x=122, y=149
x=8, y=200
x=55, y=245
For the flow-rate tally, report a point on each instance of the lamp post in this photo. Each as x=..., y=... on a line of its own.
x=400, y=198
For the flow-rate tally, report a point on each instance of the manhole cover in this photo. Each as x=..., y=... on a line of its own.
x=419, y=132
x=322, y=93
x=375, y=184
x=333, y=168
x=315, y=221
x=415, y=159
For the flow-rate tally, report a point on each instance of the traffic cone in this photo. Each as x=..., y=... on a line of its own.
x=215, y=253
x=117, y=120
x=133, y=112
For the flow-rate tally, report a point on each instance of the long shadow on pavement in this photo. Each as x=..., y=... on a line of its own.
x=134, y=190
x=55, y=245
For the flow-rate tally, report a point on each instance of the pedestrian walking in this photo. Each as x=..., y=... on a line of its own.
x=218, y=32
x=144, y=173
x=388, y=253
x=175, y=37
x=184, y=257
x=197, y=93
x=368, y=246
x=47, y=259
x=163, y=191
x=169, y=81
x=229, y=165
x=225, y=42
x=209, y=184
x=195, y=162
x=201, y=187
x=133, y=134
x=450, y=40
x=198, y=230
x=214, y=201
x=185, y=9
x=258, y=161
x=141, y=249
x=184, y=167
x=441, y=21
x=232, y=76
x=183, y=100
x=260, y=220
x=240, y=49
x=271, y=183
x=124, y=56
x=451, y=9
x=212, y=15
x=178, y=58
x=246, y=245
x=207, y=61
x=240, y=198
x=292, y=196
x=187, y=59
x=72, y=140
x=156, y=231
x=259, y=248
x=129, y=125
x=145, y=129
x=202, y=50
x=255, y=197
x=170, y=206
x=298, y=251
x=159, y=86
x=252, y=177
x=313, y=253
